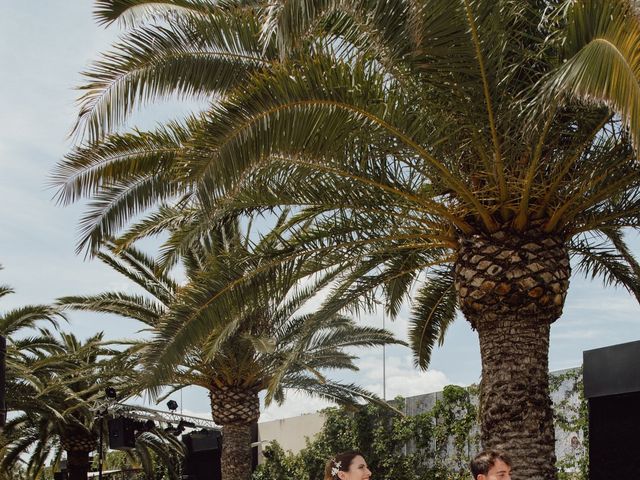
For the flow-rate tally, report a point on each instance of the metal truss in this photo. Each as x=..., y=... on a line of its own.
x=115, y=409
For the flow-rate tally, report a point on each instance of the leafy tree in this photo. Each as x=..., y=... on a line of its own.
x=235, y=344
x=468, y=149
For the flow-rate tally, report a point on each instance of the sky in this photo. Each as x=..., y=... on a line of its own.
x=45, y=45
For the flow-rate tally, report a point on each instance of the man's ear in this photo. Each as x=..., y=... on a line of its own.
x=481, y=476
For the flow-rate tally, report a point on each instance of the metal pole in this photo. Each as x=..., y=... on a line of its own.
x=384, y=362
x=100, y=446
x=3, y=379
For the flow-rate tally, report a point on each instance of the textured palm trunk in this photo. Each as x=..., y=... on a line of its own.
x=77, y=464
x=511, y=288
x=78, y=444
x=235, y=409
x=236, y=451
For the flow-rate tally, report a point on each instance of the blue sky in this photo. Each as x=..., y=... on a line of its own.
x=45, y=45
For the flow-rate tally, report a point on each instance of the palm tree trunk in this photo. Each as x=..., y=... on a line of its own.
x=235, y=409
x=511, y=287
x=516, y=412
x=77, y=464
x=236, y=451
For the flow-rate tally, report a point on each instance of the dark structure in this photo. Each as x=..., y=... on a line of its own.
x=612, y=388
x=122, y=433
x=202, y=461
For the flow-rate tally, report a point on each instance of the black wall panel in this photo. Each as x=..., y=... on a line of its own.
x=614, y=446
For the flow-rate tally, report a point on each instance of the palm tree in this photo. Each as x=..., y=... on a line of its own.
x=52, y=382
x=55, y=407
x=468, y=149
x=26, y=339
x=258, y=339
x=54, y=391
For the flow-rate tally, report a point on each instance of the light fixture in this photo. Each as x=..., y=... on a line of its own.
x=172, y=405
x=186, y=423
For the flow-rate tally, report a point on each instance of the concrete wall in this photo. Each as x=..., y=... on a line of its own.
x=291, y=433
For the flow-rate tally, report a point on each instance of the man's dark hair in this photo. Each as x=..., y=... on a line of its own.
x=483, y=462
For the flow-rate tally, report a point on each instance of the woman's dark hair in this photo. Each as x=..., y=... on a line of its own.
x=342, y=461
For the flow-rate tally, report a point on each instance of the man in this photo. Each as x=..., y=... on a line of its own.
x=491, y=465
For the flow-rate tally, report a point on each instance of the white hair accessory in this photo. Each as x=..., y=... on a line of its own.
x=336, y=468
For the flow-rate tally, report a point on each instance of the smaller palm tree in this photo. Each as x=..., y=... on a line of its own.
x=54, y=392
x=27, y=339
x=55, y=403
x=232, y=337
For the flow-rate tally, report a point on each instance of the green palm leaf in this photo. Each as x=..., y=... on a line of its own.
x=433, y=311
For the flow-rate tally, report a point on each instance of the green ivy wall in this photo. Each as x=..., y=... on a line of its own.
x=434, y=440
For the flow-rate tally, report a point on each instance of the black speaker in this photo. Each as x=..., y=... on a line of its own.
x=122, y=433
x=202, y=441
x=202, y=461
x=254, y=449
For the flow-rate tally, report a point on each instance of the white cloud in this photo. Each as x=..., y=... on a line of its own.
x=195, y=413
x=402, y=378
x=580, y=334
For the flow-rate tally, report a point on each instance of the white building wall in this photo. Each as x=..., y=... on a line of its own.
x=291, y=433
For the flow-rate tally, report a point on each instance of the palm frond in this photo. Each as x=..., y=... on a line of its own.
x=131, y=12
x=433, y=311
x=602, y=62
x=191, y=57
x=604, y=260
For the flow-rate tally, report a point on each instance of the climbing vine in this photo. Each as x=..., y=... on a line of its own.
x=432, y=445
x=572, y=424
x=428, y=446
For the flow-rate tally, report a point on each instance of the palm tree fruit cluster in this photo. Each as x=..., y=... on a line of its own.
x=234, y=405
x=509, y=272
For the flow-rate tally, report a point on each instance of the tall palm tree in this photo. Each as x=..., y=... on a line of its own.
x=256, y=338
x=470, y=147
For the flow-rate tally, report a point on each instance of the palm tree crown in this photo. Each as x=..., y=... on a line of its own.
x=473, y=147
x=235, y=343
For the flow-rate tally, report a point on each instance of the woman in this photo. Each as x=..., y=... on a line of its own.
x=347, y=466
